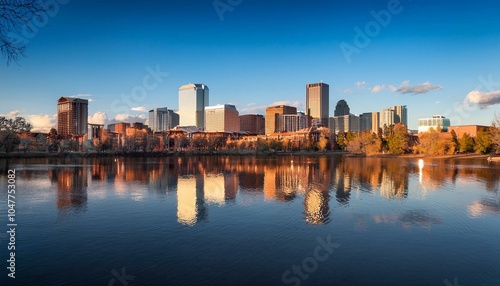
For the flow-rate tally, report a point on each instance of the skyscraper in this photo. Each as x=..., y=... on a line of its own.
x=192, y=101
x=317, y=101
x=342, y=108
x=393, y=115
x=272, y=117
x=72, y=116
x=222, y=117
x=161, y=119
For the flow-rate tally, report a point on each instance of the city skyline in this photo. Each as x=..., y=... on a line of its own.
x=133, y=61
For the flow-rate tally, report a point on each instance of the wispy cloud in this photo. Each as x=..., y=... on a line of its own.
x=417, y=89
x=12, y=113
x=361, y=84
x=381, y=87
x=483, y=99
x=130, y=118
x=78, y=95
x=139, y=109
x=347, y=90
x=286, y=102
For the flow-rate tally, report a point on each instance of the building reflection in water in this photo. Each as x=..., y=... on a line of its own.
x=71, y=184
x=191, y=206
x=202, y=182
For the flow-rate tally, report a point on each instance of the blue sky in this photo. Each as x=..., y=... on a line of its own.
x=436, y=58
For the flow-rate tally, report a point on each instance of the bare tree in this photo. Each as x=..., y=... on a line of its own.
x=15, y=17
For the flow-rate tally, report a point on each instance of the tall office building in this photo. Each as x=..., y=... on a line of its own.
x=401, y=114
x=342, y=108
x=318, y=101
x=344, y=123
x=192, y=101
x=272, y=117
x=375, y=122
x=386, y=117
x=365, y=121
x=72, y=116
x=161, y=119
x=222, y=117
x=393, y=115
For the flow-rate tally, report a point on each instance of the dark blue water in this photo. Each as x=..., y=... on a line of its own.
x=254, y=221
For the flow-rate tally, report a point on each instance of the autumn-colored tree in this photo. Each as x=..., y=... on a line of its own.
x=495, y=133
x=398, y=139
x=341, y=141
x=466, y=143
x=431, y=143
x=483, y=142
x=364, y=143
x=454, y=139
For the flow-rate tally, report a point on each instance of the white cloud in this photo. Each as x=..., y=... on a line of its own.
x=361, y=84
x=42, y=122
x=130, y=118
x=381, y=87
x=139, y=108
x=347, y=91
x=287, y=102
x=378, y=88
x=484, y=99
x=98, y=118
x=12, y=113
x=417, y=89
x=253, y=110
x=79, y=95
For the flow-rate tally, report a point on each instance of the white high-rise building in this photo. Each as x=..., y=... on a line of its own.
x=222, y=117
x=161, y=119
x=192, y=101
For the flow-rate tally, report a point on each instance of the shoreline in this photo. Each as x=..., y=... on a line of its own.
x=28, y=155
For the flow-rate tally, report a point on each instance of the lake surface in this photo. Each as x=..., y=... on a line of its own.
x=293, y=220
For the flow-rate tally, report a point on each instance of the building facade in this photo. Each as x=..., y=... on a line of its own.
x=72, y=116
x=342, y=108
x=318, y=101
x=293, y=122
x=375, y=122
x=437, y=121
x=471, y=130
x=365, y=121
x=192, y=101
x=272, y=116
x=222, y=118
x=393, y=115
x=161, y=119
x=344, y=123
x=254, y=124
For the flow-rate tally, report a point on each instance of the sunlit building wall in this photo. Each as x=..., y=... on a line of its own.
x=318, y=101
x=192, y=101
x=222, y=118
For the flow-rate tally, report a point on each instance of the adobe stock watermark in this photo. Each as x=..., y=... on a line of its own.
x=139, y=93
x=223, y=6
x=463, y=110
x=455, y=282
x=309, y=265
x=39, y=20
x=372, y=29
x=122, y=278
